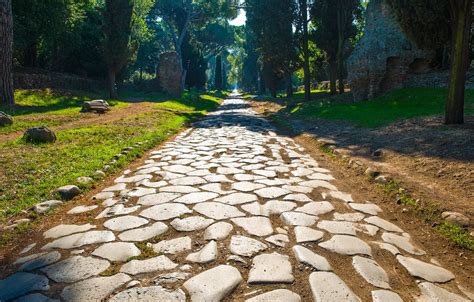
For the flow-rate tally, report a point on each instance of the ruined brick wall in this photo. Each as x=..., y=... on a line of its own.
x=381, y=61
x=170, y=74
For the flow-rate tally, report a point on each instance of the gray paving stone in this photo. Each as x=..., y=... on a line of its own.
x=216, y=188
x=179, y=189
x=145, y=233
x=178, y=169
x=152, y=293
x=316, y=208
x=67, y=229
x=214, y=284
x=124, y=223
x=327, y=286
x=368, y=208
x=388, y=247
x=297, y=197
x=305, y=234
x=218, y=231
x=431, y=292
x=318, y=184
x=24, y=259
x=402, y=242
x=41, y=261
x=37, y=297
x=371, y=272
x=271, y=268
x=75, y=268
x=81, y=239
x=271, y=192
x=156, y=199
x=20, y=284
x=139, y=192
x=190, y=224
x=95, y=289
x=277, y=295
x=298, y=189
x=82, y=209
x=207, y=254
x=351, y=217
x=424, y=270
x=218, y=211
x=279, y=240
x=338, y=227
x=384, y=224
x=117, y=251
x=382, y=295
x=346, y=245
x=117, y=210
x=197, y=197
x=258, y=226
x=272, y=207
x=165, y=211
x=237, y=198
x=173, y=246
x=136, y=267
x=188, y=181
x=298, y=219
x=245, y=246
x=306, y=256
x=246, y=186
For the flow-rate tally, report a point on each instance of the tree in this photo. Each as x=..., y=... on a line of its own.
x=304, y=21
x=117, y=30
x=6, y=56
x=218, y=73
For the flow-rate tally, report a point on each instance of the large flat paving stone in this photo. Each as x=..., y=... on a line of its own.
x=41, y=261
x=316, y=208
x=431, y=292
x=306, y=234
x=206, y=255
x=338, y=227
x=271, y=268
x=213, y=285
x=371, y=272
x=160, y=263
x=190, y=224
x=383, y=295
x=427, y=271
x=20, y=284
x=173, y=246
x=124, y=223
x=165, y=211
x=245, y=246
x=258, y=226
x=218, y=231
x=327, y=286
x=237, y=198
x=156, y=199
x=368, y=208
x=298, y=219
x=75, y=268
x=272, y=207
x=271, y=192
x=152, y=293
x=37, y=297
x=384, y=224
x=81, y=239
x=95, y=289
x=144, y=233
x=117, y=251
x=346, y=245
x=197, y=197
x=403, y=243
x=67, y=229
x=218, y=211
x=277, y=295
x=308, y=257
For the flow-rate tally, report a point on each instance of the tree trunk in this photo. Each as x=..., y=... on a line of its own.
x=262, y=88
x=218, y=73
x=6, y=56
x=461, y=14
x=111, y=84
x=306, y=70
x=289, y=87
x=332, y=76
x=340, y=45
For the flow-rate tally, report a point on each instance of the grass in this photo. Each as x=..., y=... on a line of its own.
x=389, y=108
x=31, y=173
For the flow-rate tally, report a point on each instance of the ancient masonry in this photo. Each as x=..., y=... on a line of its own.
x=228, y=210
x=170, y=73
x=384, y=56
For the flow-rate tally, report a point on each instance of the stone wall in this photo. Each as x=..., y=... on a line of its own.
x=436, y=79
x=42, y=79
x=384, y=56
x=170, y=74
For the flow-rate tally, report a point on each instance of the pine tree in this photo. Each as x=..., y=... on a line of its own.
x=6, y=56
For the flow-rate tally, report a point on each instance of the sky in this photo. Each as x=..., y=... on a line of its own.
x=240, y=20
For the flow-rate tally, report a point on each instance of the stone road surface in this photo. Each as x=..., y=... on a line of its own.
x=229, y=211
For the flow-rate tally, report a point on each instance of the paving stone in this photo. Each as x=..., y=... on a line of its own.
x=299, y=219
x=218, y=211
x=318, y=184
x=178, y=169
x=297, y=197
x=136, y=267
x=384, y=224
x=337, y=227
x=277, y=295
x=218, y=231
x=188, y=181
x=272, y=207
x=320, y=176
x=104, y=195
x=173, y=246
x=95, y=289
x=197, y=197
x=368, y=229
x=371, y=272
x=44, y=206
x=300, y=172
x=214, y=284
x=306, y=256
x=136, y=178
x=382, y=295
x=81, y=239
x=189, y=224
x=156, y=199
x=271, y=182
x=124, y=223
x=346, y=245
x=75, y=268
x=424, y=270
x=305, y=234
x=165, y=211
x=24, y=259
x=431, y=292
x=327, y=286
x=402, y=242
x=35, y=298
x=152, y=293
x=245, y=246
x=41, y=261
x=258, y=226
x=217, y=178
x=228, y=171
x=207, y=254
x=247, y=177
x=139, y=192
x=145, y=233
x=117, y=210
x=278, y=240
x=81, y=209
x=368, y=208
x=67, y=229
x=271, y=192
x=179, y=189
x=388, y=247
x=298, y=189
x=246, y=186
x=28, y=248
x=20, y=284
x=237, y=198
x=351, y=217
x=266, y=173
x=271, y=268
x=117, y=251
x=170, y=278
x=216, y=188
x=316, y=208
x=151, y=184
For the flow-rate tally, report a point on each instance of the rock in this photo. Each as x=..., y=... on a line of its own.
x=156, y=199
x=350, y=217
x=279, y=240
x=95, y=289
x=68, y=192
x=431, y=292
x=173, y=246
x=152, y=293
x=213, y=285
x=207, y=254
x=327, y=286
x=337, y=227
x=124, y=223
x=271, y=268
x=384, y=224
x=271, y=192
x=272, y=207
x=98, y=174
x=382, y=179
x=218, y=211
x=316, y=208
x=170, y=278
x=81, y=239
x=385, y=296
x=371, y=172
x=298, y=219
x=377, y=153
x=145, y=233
x=346, y=245
x=136, y=267
x=5, y=119
x=82, y=209
x=278, y=295
x=305, y=256
x=22, y=283
x=197, y=197
x=75, y=268
x=258, y=226
x=190, y=224
x=388, y=247
x=41, y=261
x=28, y=248
x=98, y=106
x=424, y=270
x=36, y=298
x=402, y=242
x=371, y=272
x=44, y=206
x=218, y=231
x=165, y=211
x=245, y=246
x=456, y=218
x=117, y=251
x=84, y=180
x=39, y=135
x=368, y=208
x=305, y=234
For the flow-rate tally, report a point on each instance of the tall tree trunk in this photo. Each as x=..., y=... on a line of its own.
x=6, y=56
x=461, y=15
x=111, y=84
x=289, y=87
x=332, y=76
x=262, y=88
x=340, y=45
x=306, y=70
x=218, y=73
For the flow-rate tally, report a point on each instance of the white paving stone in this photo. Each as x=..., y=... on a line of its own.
x=124, y=223
x=316, y=208
x=258, y=226
x=166, y=211
x=383, y=295
x=117, y=251
x=298, y=219
x=217, y=210
x=81, y=239
x=246, y=186
x=173, y=246
x=75, y=268
x=279, y=240
x=197, y=197
x=67, y=229
x=245, y=246
x=271, y=268
x=327, y=286
x=337, y=227
x=371, y=272
x=306, y=256
x=190, y=224
x=431, y=292
x=277, y=295
x=346, y=245
x=218, y=231
x=136, y=267
x=156, y=199
x=384, y=224
x=207, y=254
x=402, y=243
x=82, y=209
x=427, y=271
x=152, y=293
x=351, y=217
x=144, y=233
x=237, y=198
x=368, y=208
x=188, y=181
x=306, y=234
x=95, y=289
x=179, y=189
x=271, y=192
x=272, y=207
x=216, y=188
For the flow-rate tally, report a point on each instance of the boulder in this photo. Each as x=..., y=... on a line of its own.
x=98, y=106
x=5, y=119
x=68, y=192
x=39, y=135
x=84, y=180
x=456, y=218
x=42, y=207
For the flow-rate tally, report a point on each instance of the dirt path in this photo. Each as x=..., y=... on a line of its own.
x=232, y=210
